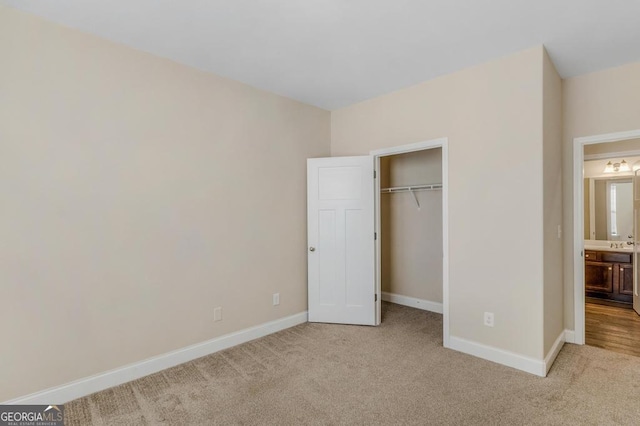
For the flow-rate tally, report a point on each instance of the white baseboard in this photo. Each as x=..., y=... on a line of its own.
x=425, y=305
x=554, y=351
x=118, y=376
x=569, y=336
x=500, y=356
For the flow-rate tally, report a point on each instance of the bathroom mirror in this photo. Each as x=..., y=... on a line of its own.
x=608, y=209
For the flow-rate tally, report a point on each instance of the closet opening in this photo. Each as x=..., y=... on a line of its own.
x=411, y=228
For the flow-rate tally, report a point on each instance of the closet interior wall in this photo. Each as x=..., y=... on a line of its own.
x=411, y=246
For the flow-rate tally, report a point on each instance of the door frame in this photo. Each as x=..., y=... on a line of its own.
x=403, y=149
x=578, y=222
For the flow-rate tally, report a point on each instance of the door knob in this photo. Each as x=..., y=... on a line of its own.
x=312, y=249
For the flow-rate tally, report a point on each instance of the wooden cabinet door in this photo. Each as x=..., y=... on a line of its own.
x=626, y=279
x=598, y=276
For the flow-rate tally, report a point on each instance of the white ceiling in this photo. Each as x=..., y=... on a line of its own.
x=333, y=53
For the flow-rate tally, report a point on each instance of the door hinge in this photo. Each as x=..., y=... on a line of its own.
x=375, y=235
x=374, y=174
x=375, y=298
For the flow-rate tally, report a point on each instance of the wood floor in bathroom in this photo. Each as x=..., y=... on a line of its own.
x=612, y=327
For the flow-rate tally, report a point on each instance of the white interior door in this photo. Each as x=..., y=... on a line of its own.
x=636, y=240
x=341, y=246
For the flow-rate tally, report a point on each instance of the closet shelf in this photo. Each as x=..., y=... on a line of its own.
x=429, y=187
x=412, y=189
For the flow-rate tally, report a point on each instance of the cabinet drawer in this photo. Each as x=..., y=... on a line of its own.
x=615, y=257
x=591, y=255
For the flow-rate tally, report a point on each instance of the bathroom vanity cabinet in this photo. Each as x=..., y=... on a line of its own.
x=609, y=275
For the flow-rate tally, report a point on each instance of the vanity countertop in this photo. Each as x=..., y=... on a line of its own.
x=603, y=247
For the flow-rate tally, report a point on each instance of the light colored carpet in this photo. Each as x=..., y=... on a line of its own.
x=397, y=373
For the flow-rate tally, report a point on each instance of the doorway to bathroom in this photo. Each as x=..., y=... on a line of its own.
x=607, y=303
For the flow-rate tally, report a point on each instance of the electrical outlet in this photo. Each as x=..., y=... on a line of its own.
x=217, y=314
x=276, y=299
x=488, y=319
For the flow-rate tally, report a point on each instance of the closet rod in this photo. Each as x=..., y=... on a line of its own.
x=411, y=188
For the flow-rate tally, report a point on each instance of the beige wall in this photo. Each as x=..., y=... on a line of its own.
x=552, y=179
x=612, y=147
x=587, y=208
x=411, y=238
x=600, y=201
x=598, y=103
x=136, y=195
x=492, y=115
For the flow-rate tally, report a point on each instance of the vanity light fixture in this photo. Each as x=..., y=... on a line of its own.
x=622, y=166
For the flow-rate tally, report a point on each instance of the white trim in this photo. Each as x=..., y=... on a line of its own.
x=592, y=208
x=578, y=242
x=445, y=243
x=554, y=351
x=569, y=336
x=608, y=137
x=500, y=356
x=608, y=155
x=419, y=146
x=578, y=222
x=403, y=149
x=378, y=225
x=425, y=305
x=118, y=376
